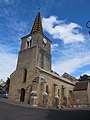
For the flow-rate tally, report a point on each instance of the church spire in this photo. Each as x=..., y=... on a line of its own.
x=37, y=26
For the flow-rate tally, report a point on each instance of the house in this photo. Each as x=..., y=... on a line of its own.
x=82, y=93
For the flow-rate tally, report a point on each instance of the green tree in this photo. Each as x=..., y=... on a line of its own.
x=7, y=84
x=84, y=78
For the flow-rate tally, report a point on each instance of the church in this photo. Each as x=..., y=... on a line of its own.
x=33, y=81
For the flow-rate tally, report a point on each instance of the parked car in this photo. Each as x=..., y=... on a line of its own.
x=3, y=94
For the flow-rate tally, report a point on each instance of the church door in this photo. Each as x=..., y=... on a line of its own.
x=22, y=95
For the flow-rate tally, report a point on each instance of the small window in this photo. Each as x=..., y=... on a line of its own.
x=25, y=75
x=47, y=91
x=44, y=42
x=58, y=92
x=42, y=60
x=29, y=42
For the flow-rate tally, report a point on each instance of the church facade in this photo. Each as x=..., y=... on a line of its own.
x=33, y=81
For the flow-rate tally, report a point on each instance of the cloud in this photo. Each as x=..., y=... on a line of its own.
x=54, y=47
x=10, y=17
x=72, y=58
x=86, y=72
x=7, y=1
x=60, y=29
x=7, y=61
x=71, y=65
x=75, y=52
x=18, y=26
x=7, y=48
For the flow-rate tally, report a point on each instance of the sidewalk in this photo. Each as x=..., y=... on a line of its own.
x=23, y=104
x=4, y=100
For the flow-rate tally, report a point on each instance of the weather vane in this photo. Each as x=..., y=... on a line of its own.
x=88, y=25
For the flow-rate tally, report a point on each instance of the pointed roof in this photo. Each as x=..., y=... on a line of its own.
x=37, y=26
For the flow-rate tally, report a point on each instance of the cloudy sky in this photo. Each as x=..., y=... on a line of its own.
x=64, y=23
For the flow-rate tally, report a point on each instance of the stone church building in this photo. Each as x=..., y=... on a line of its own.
x=33, y=81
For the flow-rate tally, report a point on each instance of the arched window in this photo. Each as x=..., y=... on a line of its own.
x=29, y=42
x=44, y=42
x=22, y=96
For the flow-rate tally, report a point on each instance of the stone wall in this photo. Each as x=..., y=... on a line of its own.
x=27, y=58
x=55, y=90
x=81, y=97
x=36, y=84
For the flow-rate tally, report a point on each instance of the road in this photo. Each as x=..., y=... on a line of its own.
x=15, y=112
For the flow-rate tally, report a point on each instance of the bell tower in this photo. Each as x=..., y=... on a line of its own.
x=35, y=48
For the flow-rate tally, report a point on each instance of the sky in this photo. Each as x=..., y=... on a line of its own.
x=64, y=23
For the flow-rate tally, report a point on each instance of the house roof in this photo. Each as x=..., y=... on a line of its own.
x=69, y=77
x=82, y=85
x=2, y=83
x=56, y=76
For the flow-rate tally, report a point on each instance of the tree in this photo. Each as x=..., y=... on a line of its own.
x=84, y=78
x=7, y=84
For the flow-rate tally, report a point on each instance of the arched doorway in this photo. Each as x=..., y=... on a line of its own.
x=22, y=95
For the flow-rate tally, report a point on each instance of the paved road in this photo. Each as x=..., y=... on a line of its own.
x=15, y=112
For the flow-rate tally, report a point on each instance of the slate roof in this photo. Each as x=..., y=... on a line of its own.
x=37, y=26
x=82, y=85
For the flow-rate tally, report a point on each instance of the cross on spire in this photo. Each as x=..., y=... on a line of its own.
x=37, y=26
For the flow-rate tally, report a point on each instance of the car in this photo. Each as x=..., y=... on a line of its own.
x=3, y=94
